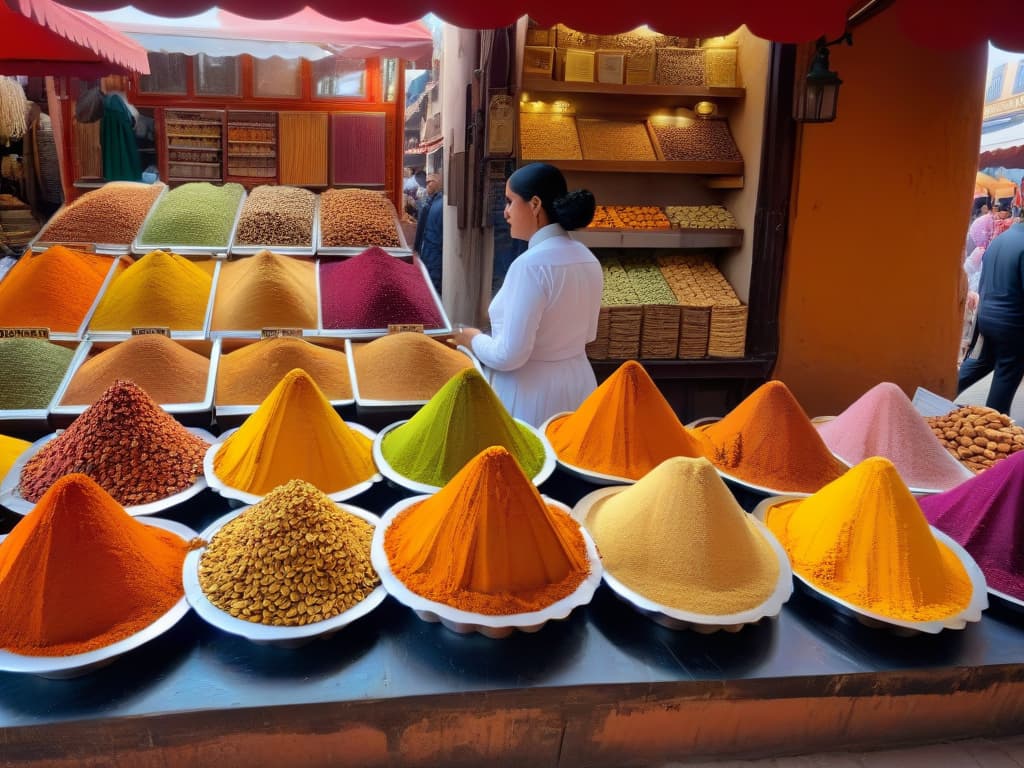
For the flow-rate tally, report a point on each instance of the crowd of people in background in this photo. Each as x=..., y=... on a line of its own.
x=994, y=268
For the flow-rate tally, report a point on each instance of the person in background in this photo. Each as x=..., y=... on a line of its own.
x=1000, y=321
x=546, y=310
x=430, y=230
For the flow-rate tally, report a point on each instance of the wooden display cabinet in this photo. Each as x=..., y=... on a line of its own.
x=193, y=145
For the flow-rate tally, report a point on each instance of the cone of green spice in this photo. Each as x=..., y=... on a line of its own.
x=462, y=419
x=30, y=372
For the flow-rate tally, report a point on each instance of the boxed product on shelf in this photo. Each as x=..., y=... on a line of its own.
x=610, y=66
x=680, y=66
x=538, y=60
x=720, y=67
x=579, y=65
x=540, y=36
x=566, y=37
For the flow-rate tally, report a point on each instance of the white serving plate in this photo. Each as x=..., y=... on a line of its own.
x=63, y=667
x=235, y=494
x=399, y=479
x=285, y=250
x=464, y=622
x=372, y=333
x=11, y=498
x=217, y=251
x=266, y=634
x=971, y=613
x=675, y=618
x=364, y=402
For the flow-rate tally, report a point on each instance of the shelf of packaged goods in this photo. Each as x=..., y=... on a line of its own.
x=267, y=156
x=187, y=148
x=690, y=167
x=250, y=141
x=184, y=179
x=542, y=85
x=174, y=135
x=660, y=238
x=191, y=162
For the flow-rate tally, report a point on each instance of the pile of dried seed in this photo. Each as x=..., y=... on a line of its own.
x=274, y=215
x=374, y=290
x=614, y=140
x=618, y=291
x=647, y=280
x=292, y=559
x=30, y=372
x=549, y=137
x=111, y=214
x=357, y=218
x=197, y=213
x=696, y=140
x=700, y=217
x=680, y=66
x=977, y=436
x=137, y=452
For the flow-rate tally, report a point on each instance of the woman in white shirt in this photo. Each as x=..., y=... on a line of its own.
x=546, y=310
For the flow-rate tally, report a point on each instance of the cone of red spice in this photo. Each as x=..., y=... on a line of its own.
x=134, y=450
x=768, y=440
x=374, y=290
x=78, y=573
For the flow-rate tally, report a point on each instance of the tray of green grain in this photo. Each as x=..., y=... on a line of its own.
x=130, y=214
x=198, y=204
x=32, y=372
x=207, y=262
x=169, y=371
x=249, y=249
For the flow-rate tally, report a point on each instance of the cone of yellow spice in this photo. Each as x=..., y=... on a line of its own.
x=624, y=429
x=863, y=538
x=678, y=537
x=295, y=434
x=487, y=543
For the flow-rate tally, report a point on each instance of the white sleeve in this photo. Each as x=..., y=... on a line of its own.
x=525, y=300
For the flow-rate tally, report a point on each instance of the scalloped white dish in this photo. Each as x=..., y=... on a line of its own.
x=399, y=479
x=265, y=634
x=971, y=613
x=236, y=494
x=675, y=618
x=464, y=622
x=11, y=498
x=63, y=667
x=597, y=478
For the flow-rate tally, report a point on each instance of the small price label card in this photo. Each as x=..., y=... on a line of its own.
x=276, y=333
x=25, y=333
x=156, y=330
x=405, y=328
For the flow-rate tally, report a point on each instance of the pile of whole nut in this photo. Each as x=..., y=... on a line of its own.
x=977, y=436
x=549, y=137
x=358, y=218
x=700, y=217
x=277, y=215
x=697, y=140
x=680, y=66
x=614, y=140
x=292, y=559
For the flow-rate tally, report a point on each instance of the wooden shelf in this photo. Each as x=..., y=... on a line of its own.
x=193, y=178
x=191, y=162
x=664, y=238
x=232, y=154
x=185, y=148
x=250, y=141
x=541, y=85
x=709, y=167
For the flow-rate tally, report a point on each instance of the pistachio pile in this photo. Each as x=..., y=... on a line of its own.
x=647, y=280
x=292, y=559
x=194, y=214
x=700, y=217
x=618, y=290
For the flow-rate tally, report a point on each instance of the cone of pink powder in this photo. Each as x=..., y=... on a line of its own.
x=883, y=422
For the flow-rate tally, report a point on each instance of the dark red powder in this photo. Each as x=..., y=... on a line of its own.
x=985, y=515
x=374, y=290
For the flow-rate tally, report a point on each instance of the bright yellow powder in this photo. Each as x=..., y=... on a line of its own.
x=160, y=289
x=295, y=434
x=679, y=538
x=10, y=449
x=864, y=539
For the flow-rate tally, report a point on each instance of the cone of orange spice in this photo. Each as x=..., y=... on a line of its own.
x=488, y=543
x=624, y=428
x=768, y=440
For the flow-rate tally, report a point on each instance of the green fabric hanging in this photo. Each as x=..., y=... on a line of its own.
x=117, y=138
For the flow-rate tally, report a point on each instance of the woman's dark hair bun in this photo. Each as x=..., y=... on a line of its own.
x=575, y=210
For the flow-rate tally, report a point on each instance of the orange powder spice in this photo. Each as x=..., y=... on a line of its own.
x=625, y=428
x=78, y=573
x=488, y=543
x=768, y=440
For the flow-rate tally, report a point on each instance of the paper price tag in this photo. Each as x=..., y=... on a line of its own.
x=276, y=333
x=405, y=327
x=153, y=331
x=25, y=333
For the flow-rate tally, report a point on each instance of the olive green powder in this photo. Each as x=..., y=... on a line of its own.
x=30, y=372
x=462, y=419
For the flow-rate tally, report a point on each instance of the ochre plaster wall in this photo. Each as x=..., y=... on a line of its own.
x=881, y=203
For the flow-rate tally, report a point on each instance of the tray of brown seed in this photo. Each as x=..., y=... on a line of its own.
x=279, y=218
